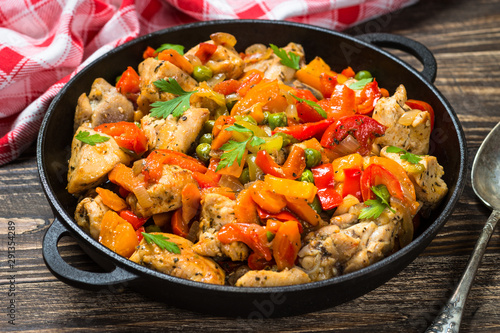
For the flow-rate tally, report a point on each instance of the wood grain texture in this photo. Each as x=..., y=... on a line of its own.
x=465, y=38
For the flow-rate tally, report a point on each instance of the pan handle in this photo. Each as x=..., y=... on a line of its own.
x=418, y=50
x=117, y=278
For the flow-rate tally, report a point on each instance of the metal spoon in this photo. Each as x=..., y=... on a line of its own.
x=486, y=184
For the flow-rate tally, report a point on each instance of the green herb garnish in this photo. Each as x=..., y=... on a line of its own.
x=358, y=85
x=411, y=158
x=234, y=150
x=176, y=106
x=375, y=207
x=314, y=105
x=162, y=242
x=85, y=137
x=176, y=47
x=289, y=59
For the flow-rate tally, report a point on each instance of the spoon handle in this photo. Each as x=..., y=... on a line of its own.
x=448, y=320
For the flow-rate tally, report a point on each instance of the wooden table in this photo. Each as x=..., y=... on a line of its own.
x=465, y=38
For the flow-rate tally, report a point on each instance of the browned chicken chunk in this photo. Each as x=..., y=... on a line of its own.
x=217, y=211
x=267, y=278
x=173, y=133
x=152, y=70
x=103, y=105
x=166, y=194
x=89, y=213
x=89, y=165
x=186, y=265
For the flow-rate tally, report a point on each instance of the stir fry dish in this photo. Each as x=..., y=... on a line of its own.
x=251, y=169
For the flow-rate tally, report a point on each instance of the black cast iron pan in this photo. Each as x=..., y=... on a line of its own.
x=338, y=50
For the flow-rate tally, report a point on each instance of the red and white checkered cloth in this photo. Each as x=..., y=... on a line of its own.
x=43, y=43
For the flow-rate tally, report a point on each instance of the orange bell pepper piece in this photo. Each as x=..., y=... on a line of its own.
x=300, y=207
x=286, y=244
x=222, y=190
x=129, y=82
x=176, y=59
x=262, y=93
x=153, y=166
x=245, y=209
x=205, y=51
x=111, y=199
x=124, y=176
x=126, y=134
x=267, y=199
x=253, y=235
x=291, y=188
x=117, y=234
x=293, y=167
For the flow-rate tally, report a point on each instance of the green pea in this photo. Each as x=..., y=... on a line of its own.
x=203, y=151
x=152, y=228
x=206, y=138
x=363, y=75
x=208, y=126
x=245, y=176
x=266, y=117
x=307, y=176
x=313, y=157
x=277, y=120
x=316, y=205
x=202, y=73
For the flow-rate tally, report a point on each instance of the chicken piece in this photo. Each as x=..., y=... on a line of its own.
x=186, y=265
x=413, y=134
x=430, y=188
x=103, y=105
x=166, y=194
x=89, y=165
x=151, y=70
x=225, y=60
x=272, y=67
x=173, y=133
x=331, y=251
x=89, y=213
x=267, y=278
x=217, y=211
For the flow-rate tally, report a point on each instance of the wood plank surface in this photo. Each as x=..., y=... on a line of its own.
x=465, y=39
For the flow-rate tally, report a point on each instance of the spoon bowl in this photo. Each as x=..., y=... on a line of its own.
x=485, y=178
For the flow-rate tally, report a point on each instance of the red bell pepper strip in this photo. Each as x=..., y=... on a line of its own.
x=305, y=131
x=207, y=179
x=127, y=135
x=352, y=183
x=205, y=51
x=253, y=235
x=376, y=174
x=323, y=179
x=227, y=87
x=129, y=82
x=132, y=218
x=248, y=81
x=422, y=106
x=328, y=83
x=363, y=128
x=258, y=262
x=349, y=72
x=286, y=244
x=153, y=167
x=368, y=98
x=180, y=227
x=149, y=53
x=281, y=216
x=306, y=113
x=139, y=232
x=342, y=102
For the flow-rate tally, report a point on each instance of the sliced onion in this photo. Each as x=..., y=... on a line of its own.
x=255, y=48
x=223, y=38
x=193, y=232
x=216, y=79
x=408, y=117
x=231, y=182
x=291, y=112
x=137, y=167
x=142, y=196
x=347, y=146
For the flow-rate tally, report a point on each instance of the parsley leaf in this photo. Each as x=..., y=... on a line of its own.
x=360, y=84
x=239, y=128
x=411, y=158
x=289, y=59
x=176, y=106
x=177, y=47
x=314, y=105
x=233, y=150
x=257, y=141
x=162, y=242
x=85, y=137
x=375, y=207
